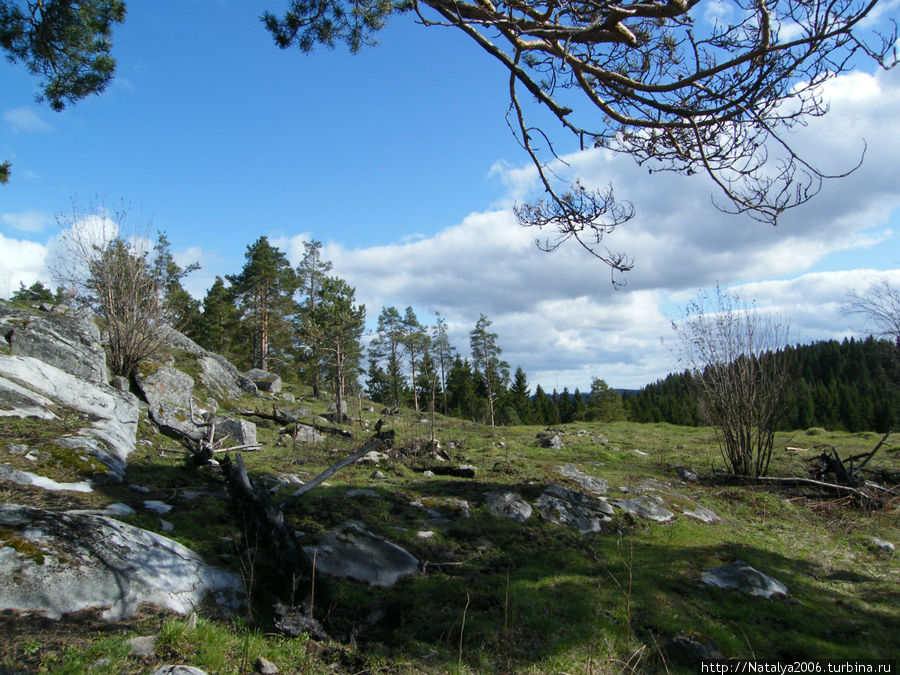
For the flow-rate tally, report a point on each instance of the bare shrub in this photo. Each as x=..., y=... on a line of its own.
x=111, y=275
x=731, y=350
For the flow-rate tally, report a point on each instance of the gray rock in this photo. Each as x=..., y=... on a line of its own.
x=178, y=670
x=362, y=492
x=307, y=434
x=31, y=388
x=169, y=394
x=264, y=380
x=289, y=415
x=265, y=667
x=71, y=342
x=333, y=408
x=157, y=506
x=508, y=505
x=562, y=506
x=28, y=478
x=688, y=475
x=881, y=545
x=645, y=506
x=597, y=486
x=663, y=494
x=143, y=645
x=741, y=576
x=77, y=560
x=554, y=442
x=353, y=552
x=220, y=380
x=372, y=457
x=294, y=621
x=689, y=650
x=119, y=382
x=241, y=432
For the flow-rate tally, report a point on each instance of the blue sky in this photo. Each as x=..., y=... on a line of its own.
x=400, y=160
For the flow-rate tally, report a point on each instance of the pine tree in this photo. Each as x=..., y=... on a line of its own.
x=486, y=355
x=386, y=348
x=415, y=344
x=442, y=352
x=264, y=292
x=310, y=273
x=335, y=327
x=180, y=309
x=218, y=325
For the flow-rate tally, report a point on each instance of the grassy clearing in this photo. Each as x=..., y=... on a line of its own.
x=499, y=596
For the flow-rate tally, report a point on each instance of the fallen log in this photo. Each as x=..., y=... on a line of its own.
x=267, y=521
x=373, y=444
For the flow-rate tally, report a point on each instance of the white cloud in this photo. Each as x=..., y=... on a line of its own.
x=27, y=221
x=21, y=261
x=557, y=315
x=25, y=120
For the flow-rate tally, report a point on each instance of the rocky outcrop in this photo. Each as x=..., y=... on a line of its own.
x=172, y=405
x=66, y=562
x=32, y=388
x=69, y=341
x=216, y=373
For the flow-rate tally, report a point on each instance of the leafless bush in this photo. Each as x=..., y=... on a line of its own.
x=110, y=274
x=731, y=348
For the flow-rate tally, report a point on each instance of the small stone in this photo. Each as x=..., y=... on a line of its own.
x=362, y=492
x=377, y=475
x=428, y=472
x=165, y=525
x=143, y=645
x=157, y=506
x=179, y=670
x=118, y=509
x=266, y=667
x=425, y=534
x=688, y=475
x=881, y=545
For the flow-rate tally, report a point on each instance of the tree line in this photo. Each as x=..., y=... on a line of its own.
x=305, y=324
x=850, y=385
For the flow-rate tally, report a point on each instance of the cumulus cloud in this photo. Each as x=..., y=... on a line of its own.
x=25, y=120
x=557, y=314
x=21, y=262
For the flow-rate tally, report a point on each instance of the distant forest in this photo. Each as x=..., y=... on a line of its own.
x=852, y=385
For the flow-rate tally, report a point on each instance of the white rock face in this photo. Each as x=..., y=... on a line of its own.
x=28, y=478
x=65, y=562
x=32, y=388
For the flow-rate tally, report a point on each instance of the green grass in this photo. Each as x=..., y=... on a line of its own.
x=498, y=596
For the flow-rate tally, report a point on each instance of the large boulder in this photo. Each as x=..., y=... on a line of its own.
x=66, y=562
x=264, y=380
x=562, y=506
x=741, y=576
x=69, y=341
x=351, y=551
x=172, y=405
x=216, y=373
x=32, y=388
